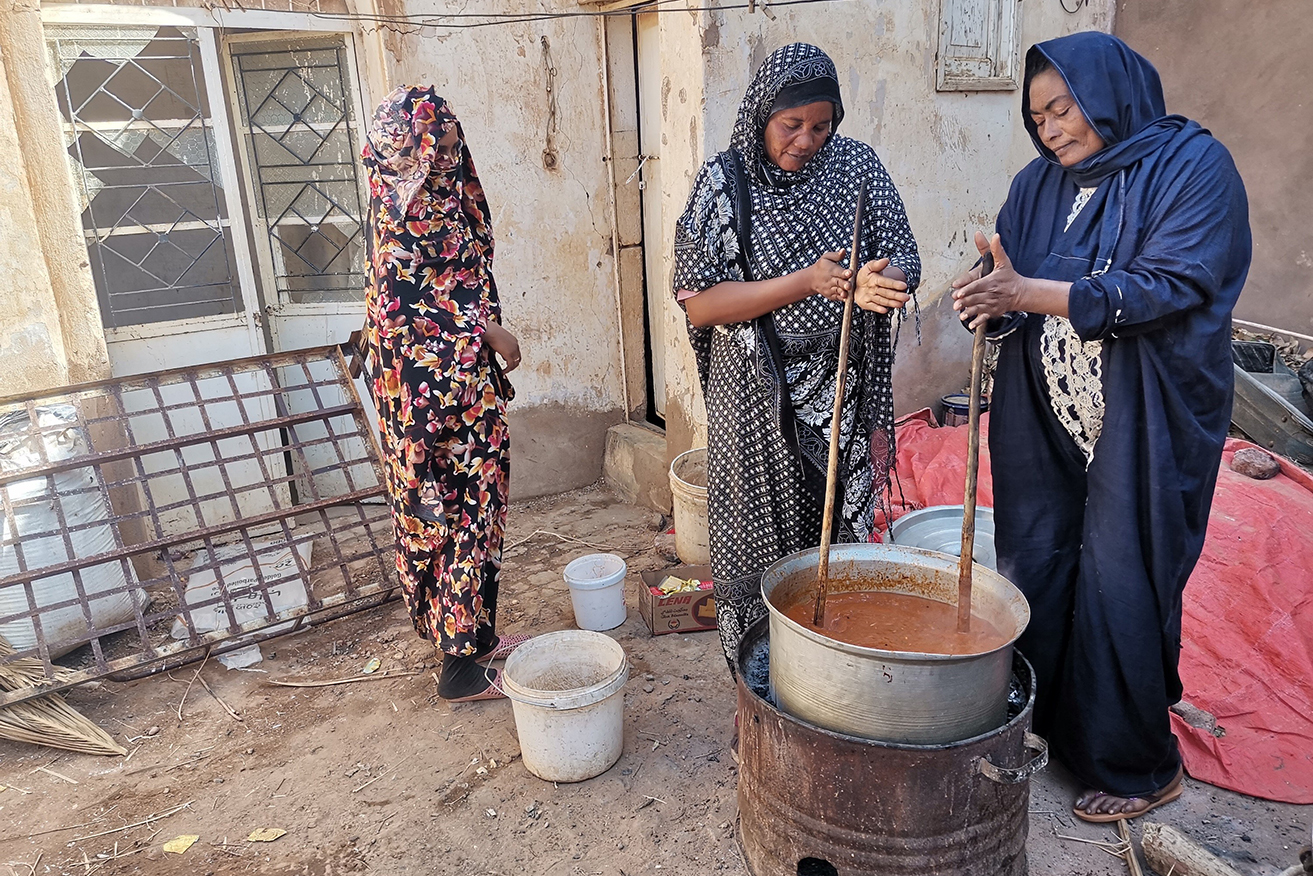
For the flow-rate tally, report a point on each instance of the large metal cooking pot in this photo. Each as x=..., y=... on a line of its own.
x=895, y=696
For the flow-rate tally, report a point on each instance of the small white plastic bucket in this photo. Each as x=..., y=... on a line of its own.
x=566, y=690
x=688, y=487
x=597, y=591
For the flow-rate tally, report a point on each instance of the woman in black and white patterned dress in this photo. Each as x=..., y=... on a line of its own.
x=764, y=318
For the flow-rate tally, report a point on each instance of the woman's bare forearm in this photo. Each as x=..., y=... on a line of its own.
x=1044, y=296
x=731, y=302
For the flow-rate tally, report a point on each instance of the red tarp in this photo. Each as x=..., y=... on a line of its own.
x=1247, y=630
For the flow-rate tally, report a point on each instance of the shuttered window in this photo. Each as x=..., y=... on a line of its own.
x=979, y=42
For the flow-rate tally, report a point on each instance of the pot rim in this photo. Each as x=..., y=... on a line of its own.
x=935, y=559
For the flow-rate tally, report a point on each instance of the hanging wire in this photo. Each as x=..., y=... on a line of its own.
x=550, y=157
x=495, y=19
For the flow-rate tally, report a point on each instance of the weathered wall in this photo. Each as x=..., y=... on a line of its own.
x=31, y=348
x=1244, y=71
x=537, y=135
x=538, y=139
x=952, y=155
x=50, y=332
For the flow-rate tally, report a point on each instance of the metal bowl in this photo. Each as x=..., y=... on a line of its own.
x=939, y=528
x=893, y=696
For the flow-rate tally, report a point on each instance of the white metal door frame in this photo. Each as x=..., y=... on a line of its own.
x=273, y=306
x=208, y=23
x=238, y=222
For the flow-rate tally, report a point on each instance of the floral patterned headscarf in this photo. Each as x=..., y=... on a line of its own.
x=401, y=155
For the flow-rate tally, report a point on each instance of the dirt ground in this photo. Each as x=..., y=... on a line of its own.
x=382, y=777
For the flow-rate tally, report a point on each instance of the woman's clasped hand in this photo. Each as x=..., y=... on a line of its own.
x=881, y=292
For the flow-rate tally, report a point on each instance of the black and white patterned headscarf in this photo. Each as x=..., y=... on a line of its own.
x=791, y=68
x=763, y=486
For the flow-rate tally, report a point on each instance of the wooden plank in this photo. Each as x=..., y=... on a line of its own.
x=1169, y=851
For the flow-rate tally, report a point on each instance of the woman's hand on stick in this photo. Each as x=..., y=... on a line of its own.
x=880, y=287
x=979, y=299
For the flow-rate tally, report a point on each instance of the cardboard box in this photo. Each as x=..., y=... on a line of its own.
x=677, y=612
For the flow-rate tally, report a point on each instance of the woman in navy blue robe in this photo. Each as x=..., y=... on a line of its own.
x=1119, y=253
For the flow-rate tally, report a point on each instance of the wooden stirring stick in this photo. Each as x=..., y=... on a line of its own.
x=832, y=473
x=973, y=469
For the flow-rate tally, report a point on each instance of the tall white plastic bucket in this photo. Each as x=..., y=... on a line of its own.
x=567, y=693
x=688, y=486
x=597, y=591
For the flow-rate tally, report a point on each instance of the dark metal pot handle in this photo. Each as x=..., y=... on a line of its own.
x=1023, y=773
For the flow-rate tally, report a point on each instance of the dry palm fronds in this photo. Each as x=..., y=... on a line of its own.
x=46, y=720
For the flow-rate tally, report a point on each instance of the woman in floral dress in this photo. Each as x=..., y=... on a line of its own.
x=433, y=325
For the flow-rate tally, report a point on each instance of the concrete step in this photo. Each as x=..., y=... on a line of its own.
x=636, y=466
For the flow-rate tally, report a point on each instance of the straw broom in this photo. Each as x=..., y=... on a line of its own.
x=46, y=720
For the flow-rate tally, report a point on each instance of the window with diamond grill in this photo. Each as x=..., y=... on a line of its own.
x=137, y=126
x=298, y=118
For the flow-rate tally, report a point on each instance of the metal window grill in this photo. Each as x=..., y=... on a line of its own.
x=136, y=120
x=127, y=557
x=296, y=104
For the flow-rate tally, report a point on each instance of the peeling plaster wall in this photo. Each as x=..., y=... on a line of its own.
x=952, y=154
x=553, y=224
x=31, y=347
x=691, y=101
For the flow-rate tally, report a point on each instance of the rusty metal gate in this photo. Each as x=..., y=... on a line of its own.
x=260, y=511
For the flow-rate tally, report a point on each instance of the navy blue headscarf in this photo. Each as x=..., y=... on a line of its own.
x=1119, y=93
x=1160, y=180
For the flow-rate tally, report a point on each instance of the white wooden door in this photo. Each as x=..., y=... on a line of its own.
x=649, y=135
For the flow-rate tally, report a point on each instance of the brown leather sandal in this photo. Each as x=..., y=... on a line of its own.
x=1170, y=792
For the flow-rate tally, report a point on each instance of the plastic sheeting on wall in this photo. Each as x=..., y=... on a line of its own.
x=36, y=530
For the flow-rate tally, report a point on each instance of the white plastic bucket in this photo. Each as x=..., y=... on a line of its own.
x=566, y=690
x=688, y=486
x=597, y=591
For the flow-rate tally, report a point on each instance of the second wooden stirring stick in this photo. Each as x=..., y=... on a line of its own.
x=973, y=469
x=832, y=472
